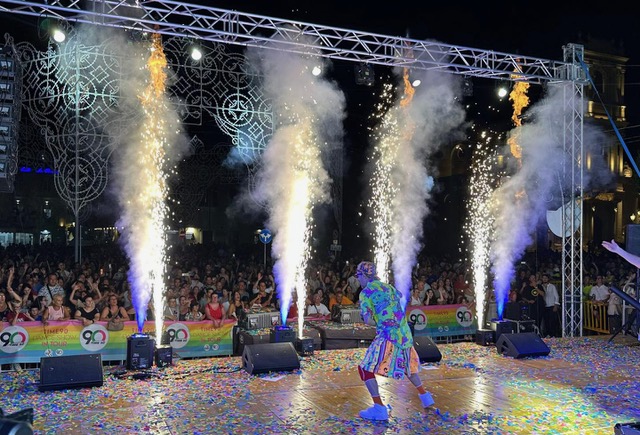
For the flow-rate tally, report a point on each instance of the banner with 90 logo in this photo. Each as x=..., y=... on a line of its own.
x=94, y=337
x=13, y=339
x=178, y=334
x=442, y=320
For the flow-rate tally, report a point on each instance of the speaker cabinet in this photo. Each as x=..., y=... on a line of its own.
x=426, y=348
x=270, y=357
x=627, y=428
x=632, y=239
x=527, y=344
x=73, y=371
x=140, y=352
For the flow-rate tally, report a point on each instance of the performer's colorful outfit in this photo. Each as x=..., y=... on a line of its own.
x=391, y=352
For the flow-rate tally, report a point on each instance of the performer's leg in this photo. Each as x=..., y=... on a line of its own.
x=417, y=382
x=425, y=396
x=378, y=411
x=372, y=385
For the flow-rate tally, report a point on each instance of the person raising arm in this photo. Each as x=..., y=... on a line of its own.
x=616, y=249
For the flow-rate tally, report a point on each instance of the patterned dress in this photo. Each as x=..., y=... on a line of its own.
x=391, y=352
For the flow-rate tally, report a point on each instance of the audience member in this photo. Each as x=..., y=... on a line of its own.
x=56, y=311
x=317, y=308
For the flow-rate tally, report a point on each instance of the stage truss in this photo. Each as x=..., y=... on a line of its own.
x=183, y=20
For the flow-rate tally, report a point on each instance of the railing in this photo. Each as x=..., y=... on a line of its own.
x=595, y=317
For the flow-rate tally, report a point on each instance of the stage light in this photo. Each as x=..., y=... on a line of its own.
x=416, y=83
x=196, y=53
x=364, y=74
x=467, y=87
x=316, y=71
x=59, y=35
x=502, y=90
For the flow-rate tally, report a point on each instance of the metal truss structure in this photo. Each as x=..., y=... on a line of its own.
x=203, y=23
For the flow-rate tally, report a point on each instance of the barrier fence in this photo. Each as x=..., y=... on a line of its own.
x=27, y=342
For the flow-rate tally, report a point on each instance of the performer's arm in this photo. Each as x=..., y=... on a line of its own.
x=613, y=247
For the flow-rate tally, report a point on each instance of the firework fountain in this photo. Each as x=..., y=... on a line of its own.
x=143, y=194
x=480, y=221
x=293, y=180
x=406, y=134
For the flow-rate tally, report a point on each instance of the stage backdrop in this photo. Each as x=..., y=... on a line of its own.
x=27, y=342
x=442, y=320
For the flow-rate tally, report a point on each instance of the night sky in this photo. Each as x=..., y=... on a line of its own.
x=526, y=28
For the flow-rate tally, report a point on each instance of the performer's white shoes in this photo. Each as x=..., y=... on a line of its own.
x=376, y=412
x=426, y=399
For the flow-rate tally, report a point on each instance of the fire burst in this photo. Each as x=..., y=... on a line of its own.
x=520, y=100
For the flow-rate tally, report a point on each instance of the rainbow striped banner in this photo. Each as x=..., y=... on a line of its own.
x=27, y=342
x=442, y=320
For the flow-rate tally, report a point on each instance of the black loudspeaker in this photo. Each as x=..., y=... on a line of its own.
x=270, y=357
x=526, y=344
x=427, y=349
x=74, y=371
x=627, y=428
x=632, y=239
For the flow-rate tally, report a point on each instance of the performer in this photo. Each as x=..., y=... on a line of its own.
x=613, y=247
x=391, y=353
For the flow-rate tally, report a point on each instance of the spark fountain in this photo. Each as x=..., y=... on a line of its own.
x=145, y=190
x=405, y=136
x=479, y=224
x=292, y=178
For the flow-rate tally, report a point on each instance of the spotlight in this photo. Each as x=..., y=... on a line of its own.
x=503, y=89
x=416, y=83
x=467, y=87
x=196, y=53
x=316, y=70
x=59, y=35
x=364, y=74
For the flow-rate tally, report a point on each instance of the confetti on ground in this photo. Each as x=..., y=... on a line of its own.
x=585, y=385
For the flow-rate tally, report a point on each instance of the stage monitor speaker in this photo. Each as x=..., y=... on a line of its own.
x=73, y=371
x=632, y=239
x=426, y=348
x=270, y=357
x=627, y=428
x=526, y=344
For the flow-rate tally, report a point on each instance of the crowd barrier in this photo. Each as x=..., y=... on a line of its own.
x=27, y=342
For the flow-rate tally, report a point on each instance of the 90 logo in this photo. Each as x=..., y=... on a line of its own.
x=13, y=339
x=418, y=318
x=94, y=337
x=464, y=316
x=178, y=335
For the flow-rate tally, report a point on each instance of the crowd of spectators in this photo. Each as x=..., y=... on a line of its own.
x=43, y=283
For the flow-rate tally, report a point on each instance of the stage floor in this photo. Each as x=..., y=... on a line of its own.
x=584, y=386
